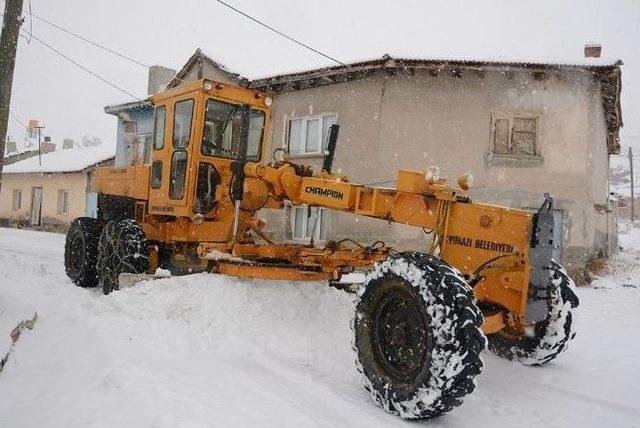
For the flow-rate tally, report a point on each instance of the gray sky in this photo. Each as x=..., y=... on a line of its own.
x=70, y=102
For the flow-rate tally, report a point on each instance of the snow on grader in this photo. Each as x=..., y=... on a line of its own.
x=422, y=318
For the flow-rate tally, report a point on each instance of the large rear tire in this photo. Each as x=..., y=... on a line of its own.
x=81, y=251
x=417, y=336
x=122, y=248
x=548, y=338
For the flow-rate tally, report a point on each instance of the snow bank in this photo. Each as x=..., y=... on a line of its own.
x=213, y=351
x=291, y=322
x=15, y=316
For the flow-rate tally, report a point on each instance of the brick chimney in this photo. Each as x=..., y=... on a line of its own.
x=592, y=50
x=47, y=146
x=11, y=147
x=159, y=76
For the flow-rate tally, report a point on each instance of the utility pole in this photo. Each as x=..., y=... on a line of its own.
x=632, y=189
x=40, y=128
x=8, y=46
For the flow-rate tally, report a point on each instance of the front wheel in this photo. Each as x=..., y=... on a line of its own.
x=122, y=248
x=417, y=336
x=81, y=251
x=548, y=338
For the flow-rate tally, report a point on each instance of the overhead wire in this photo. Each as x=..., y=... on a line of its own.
x=280, y=33
x=81, y=37
x=30, y=24
x=17, y=119
x=77, y=64
x=140, y=63
x=85, y=69
x=91, y=42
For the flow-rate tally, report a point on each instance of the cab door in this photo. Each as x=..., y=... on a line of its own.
x=172, y=145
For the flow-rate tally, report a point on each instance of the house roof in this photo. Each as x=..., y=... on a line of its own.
x=404, y=63
x=200, y=57
x=63, y=160
x=606, y=70
x=19, y=150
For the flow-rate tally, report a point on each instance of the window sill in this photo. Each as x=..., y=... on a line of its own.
x=521, y=161
x=306, y=155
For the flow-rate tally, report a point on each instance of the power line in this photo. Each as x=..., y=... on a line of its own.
x=82, y=67
x=18, y=120
x=280, y=33
x=30, y=23
x=96, y=44
x=142, y=64
x=84, y=39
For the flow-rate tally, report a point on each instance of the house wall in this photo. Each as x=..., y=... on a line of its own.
x=76, y=183
x=403, y=121
x=125, y=141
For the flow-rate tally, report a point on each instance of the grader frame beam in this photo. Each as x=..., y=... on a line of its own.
x=468, y=233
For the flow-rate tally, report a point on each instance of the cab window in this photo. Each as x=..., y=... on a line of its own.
x=178, y=174
x=221, y=134
x=158, y=128
x=183, y=112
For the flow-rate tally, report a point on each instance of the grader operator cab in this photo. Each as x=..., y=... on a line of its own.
x=421, y=317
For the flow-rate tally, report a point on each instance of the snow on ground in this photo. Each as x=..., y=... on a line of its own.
x=213, y=351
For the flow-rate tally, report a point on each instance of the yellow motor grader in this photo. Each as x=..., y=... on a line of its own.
x=422, y=318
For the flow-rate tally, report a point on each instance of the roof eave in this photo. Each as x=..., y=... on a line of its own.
x=388, y=62
x=198, y=55
x=115, y=109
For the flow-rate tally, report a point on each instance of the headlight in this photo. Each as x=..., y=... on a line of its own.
x=465, y=181
x=432, y=174
x=207, y=85
x=268, y=101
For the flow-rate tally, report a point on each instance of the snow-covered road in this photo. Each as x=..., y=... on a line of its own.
x=213, y=351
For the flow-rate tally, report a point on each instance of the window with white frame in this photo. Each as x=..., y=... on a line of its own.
x=16, y=200
x=515, y=133
x=63, y=201
x=309, y=135
x=304, y=220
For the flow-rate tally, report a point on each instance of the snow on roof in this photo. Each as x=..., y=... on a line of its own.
x=473, y=61
x=18, y=151
x=253, y=78
x=21, y=147
x=64, y=160
x=284, y=68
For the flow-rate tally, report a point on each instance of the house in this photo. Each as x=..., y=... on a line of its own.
x=33, y=144
x=52, y=189
x=14, y=154
x=135, y=121
x=521, y=128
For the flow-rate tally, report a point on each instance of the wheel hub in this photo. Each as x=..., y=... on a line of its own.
x=400, y=335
